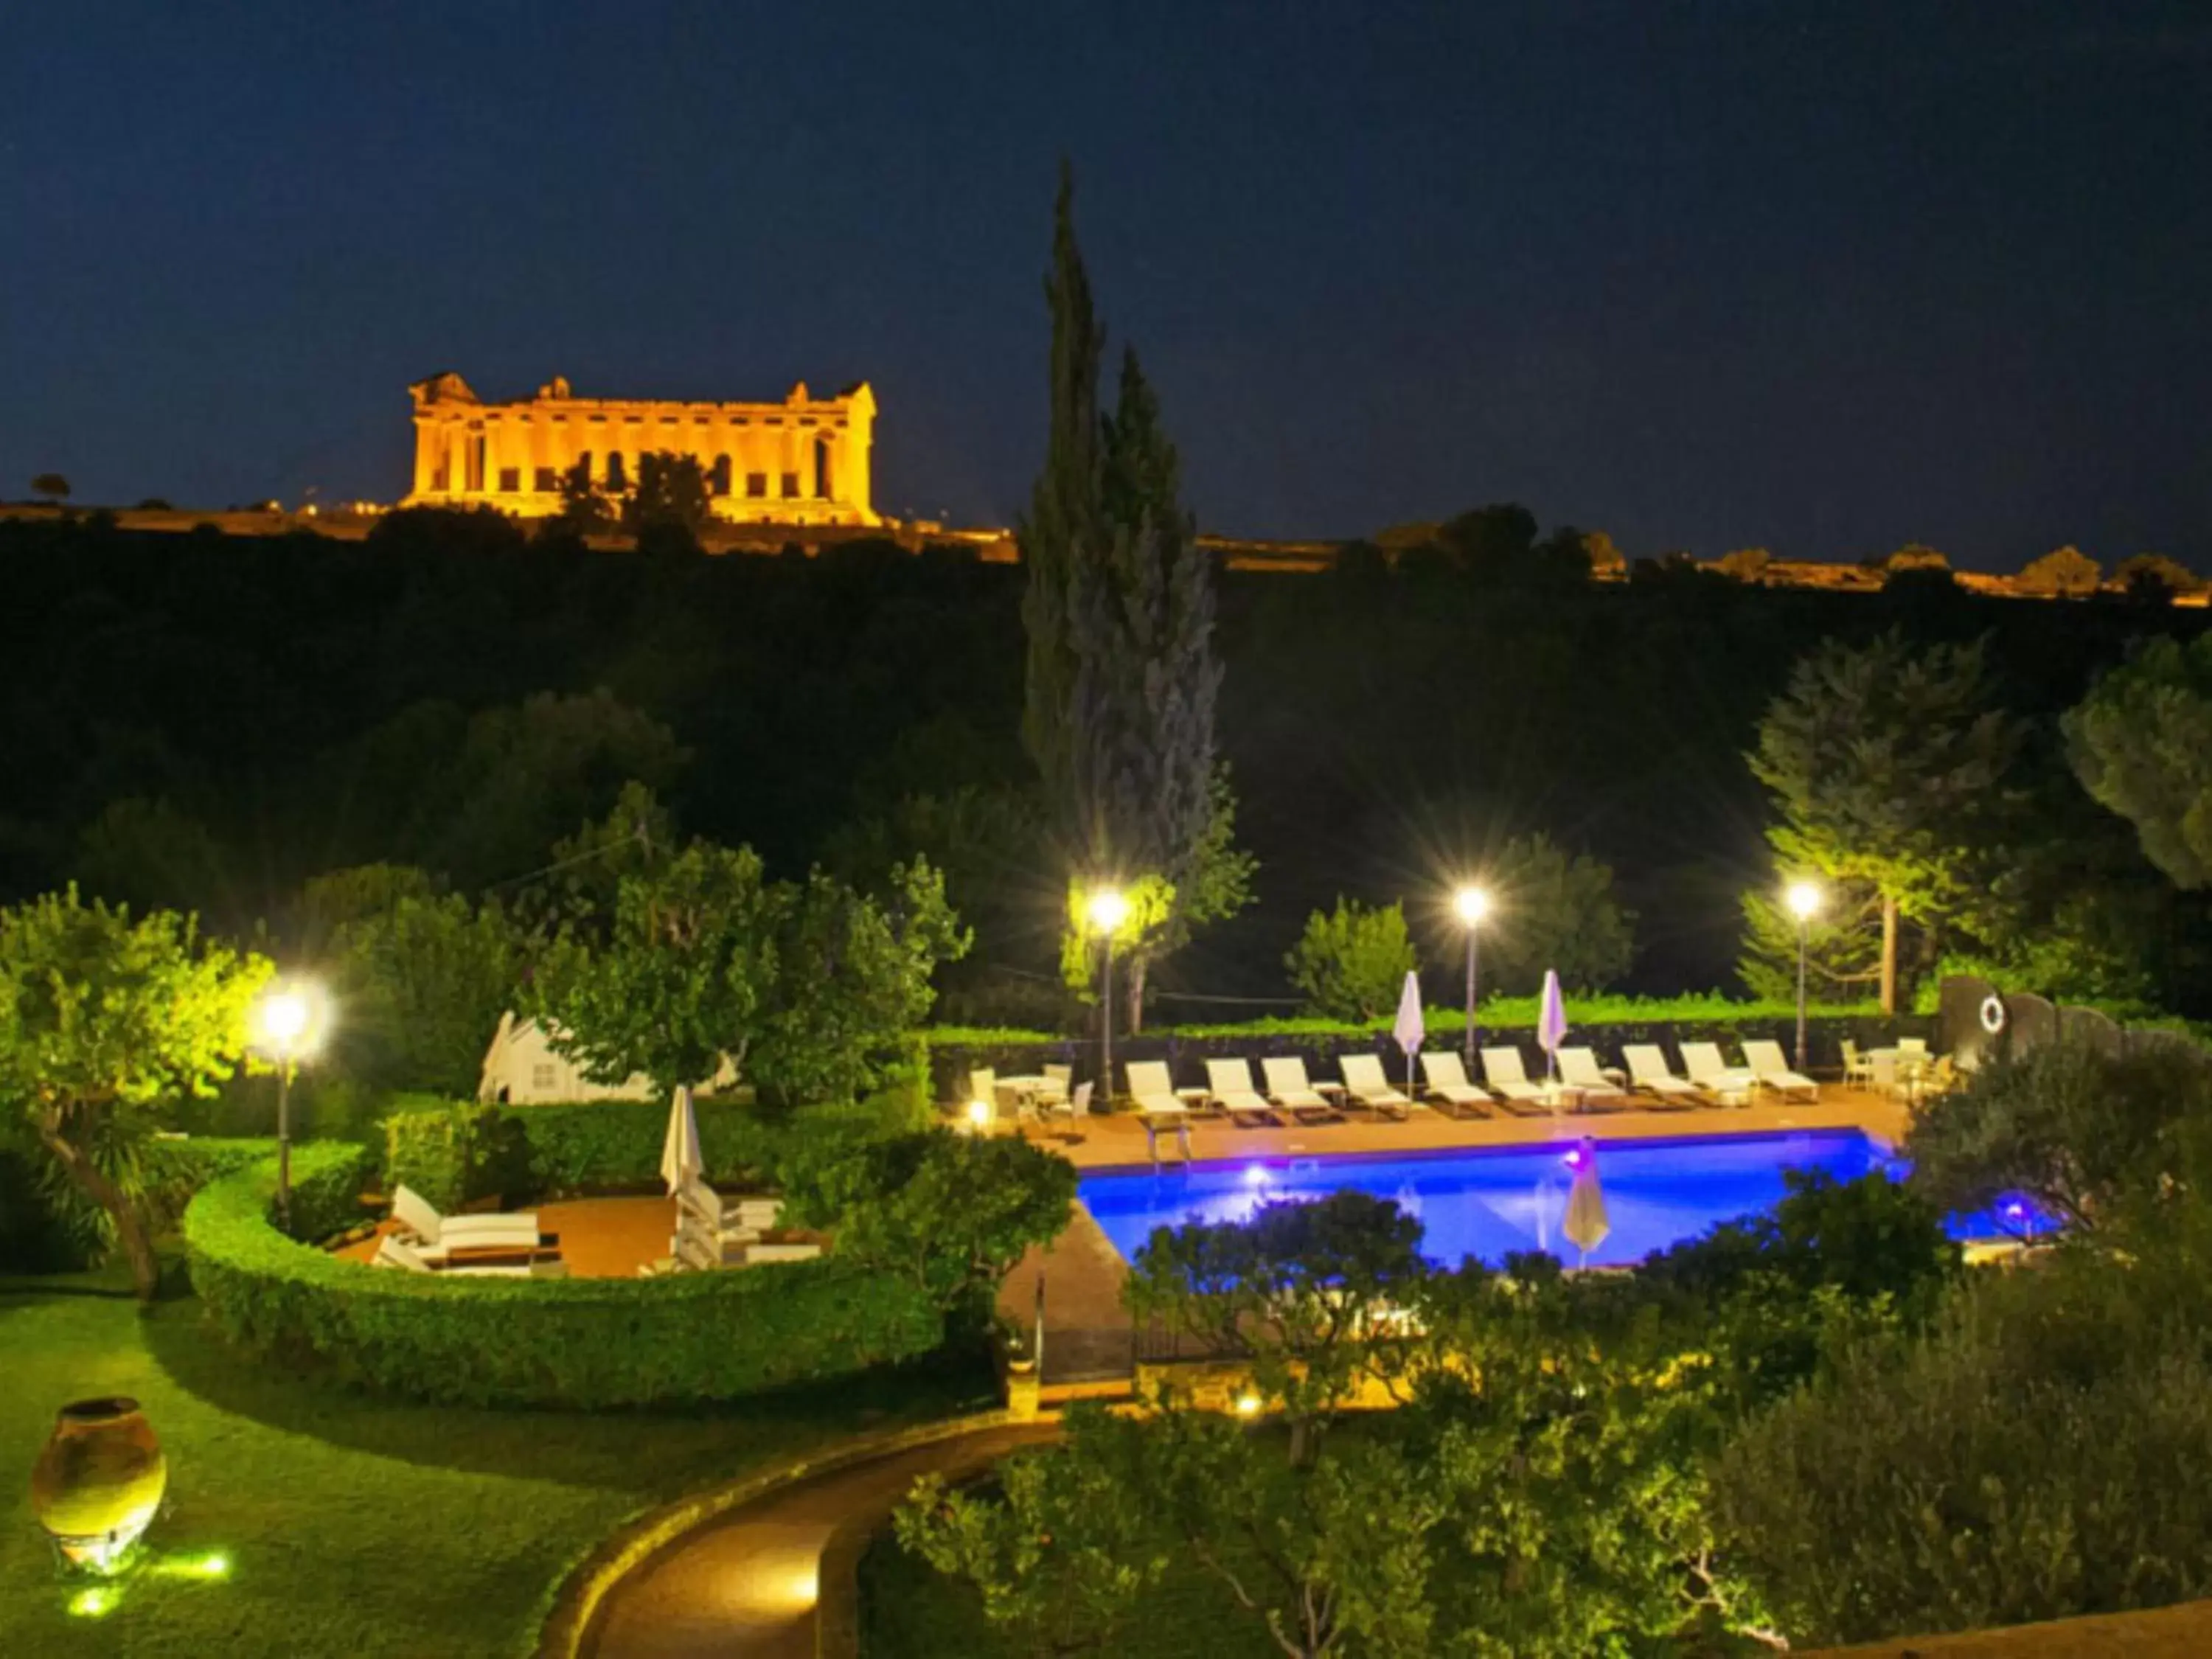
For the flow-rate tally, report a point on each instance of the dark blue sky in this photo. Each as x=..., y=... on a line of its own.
x=1826, y=277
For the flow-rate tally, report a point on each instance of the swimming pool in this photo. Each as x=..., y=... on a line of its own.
x=1486, y=1202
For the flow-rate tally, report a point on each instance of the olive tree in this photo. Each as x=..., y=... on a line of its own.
x=105, y=1019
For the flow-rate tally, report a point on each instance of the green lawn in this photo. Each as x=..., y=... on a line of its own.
x=353, y=1526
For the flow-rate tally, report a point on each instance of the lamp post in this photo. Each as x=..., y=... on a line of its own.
x=1471, y=904
x=288, y=1025
x=1107, y=910
x=1804, y=898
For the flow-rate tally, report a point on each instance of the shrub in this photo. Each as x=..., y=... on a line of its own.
x=2046, y=1450
x=1351, y=963
x=2063, y=570
x=428, y=1149
x=2086, y=1132
x=573, y=1343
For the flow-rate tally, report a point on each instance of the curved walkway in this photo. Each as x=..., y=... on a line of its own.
x=747, y=1585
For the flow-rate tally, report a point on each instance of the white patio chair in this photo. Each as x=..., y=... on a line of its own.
x=1059, y=1087
x=1703, y=1063
x=1763, y=1059
x=1508, y=1080
x=1647, y=1071
x=1445, y=1077
x=1365, y=1083
x=1859, y=1069
x=982, y=1107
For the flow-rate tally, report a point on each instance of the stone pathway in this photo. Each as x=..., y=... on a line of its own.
x=746, y=1586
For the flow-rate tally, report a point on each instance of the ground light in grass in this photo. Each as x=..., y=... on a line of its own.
x=94, y=1603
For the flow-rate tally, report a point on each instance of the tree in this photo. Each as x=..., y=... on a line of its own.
x=1843, y=943
x=2141, y=742
x=669, y=498
x=586, y=509
x=1885, y=763
x=1122, y=673
x=2155, y=578
x=423, y=976
x=951, y=1214
x=1064, y=1549
x=682, y=979
x=51, y=485
x=804, y=989
x=1555, y=911
x=104, y=1021
x=2065, y=570
x=1746, y=565
x=1351, y=963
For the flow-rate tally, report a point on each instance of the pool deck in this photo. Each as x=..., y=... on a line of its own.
x=1119, y=1142
x=1089, y=1344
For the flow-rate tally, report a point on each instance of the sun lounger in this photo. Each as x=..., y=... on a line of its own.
x=738, y=1220
x=392, y=1251
x=1365, y=1084
x=419, y=1219
x=1647, y=1071
x=756, y=1253
x=1508, y=1080
x=1705, y=1067
x=1229, y=1082
x=1289, y=1088
x=1153, y=1089
x=1450, y=1091
x=1765, y=1060
x=1579, y=1071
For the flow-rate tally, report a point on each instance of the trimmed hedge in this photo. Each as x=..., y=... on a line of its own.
x=583, y=1344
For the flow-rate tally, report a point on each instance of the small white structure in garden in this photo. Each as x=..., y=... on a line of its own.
x=521, y=1069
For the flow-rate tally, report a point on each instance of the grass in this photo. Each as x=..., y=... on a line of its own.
x=352, y=1527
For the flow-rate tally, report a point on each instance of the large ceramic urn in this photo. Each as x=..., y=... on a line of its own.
x=99, y=1480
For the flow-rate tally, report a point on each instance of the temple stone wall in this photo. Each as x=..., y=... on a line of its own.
x=803, y=461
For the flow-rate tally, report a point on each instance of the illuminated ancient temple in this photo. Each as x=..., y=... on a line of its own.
x=803, y=461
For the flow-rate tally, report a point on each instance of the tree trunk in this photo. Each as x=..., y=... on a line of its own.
x=1133, y=982
x=131, y=1230
x=1889, y=955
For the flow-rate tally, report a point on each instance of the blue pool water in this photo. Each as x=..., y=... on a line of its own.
x=1486, y=1203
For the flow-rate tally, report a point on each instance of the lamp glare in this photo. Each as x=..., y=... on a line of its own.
x=1804, y=899
x=1471, y=904
x=1108, y=910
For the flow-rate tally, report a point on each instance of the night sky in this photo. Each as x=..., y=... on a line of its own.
x=1821, y=277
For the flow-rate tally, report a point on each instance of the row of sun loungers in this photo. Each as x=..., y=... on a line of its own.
x=1289, y=1094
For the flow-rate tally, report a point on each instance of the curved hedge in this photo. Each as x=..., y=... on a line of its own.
x=580, y=1343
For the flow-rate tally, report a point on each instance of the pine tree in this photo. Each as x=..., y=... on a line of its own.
x=1123, y=674
x=1887, y=765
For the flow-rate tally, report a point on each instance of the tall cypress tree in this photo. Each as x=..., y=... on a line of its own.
x=1060, y=538
x=1123, y=674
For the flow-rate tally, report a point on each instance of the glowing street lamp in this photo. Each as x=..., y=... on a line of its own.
x=289, y=1024
x=1471, y=904
x=1107, y=909
x=1803, y=899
